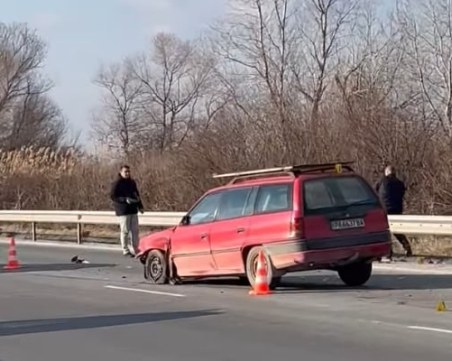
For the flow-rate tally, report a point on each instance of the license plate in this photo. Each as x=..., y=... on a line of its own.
x=347, y=224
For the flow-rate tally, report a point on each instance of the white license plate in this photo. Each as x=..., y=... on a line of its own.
x=347, y=224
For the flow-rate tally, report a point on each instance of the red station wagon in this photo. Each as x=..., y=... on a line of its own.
x=306, y=217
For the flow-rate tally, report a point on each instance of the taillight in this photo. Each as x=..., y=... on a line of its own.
x=296, y=227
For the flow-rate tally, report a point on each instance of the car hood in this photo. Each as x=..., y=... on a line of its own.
x=155, y=240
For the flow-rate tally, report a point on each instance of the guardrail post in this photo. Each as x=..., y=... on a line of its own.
x=33, y=231
x=79, y=233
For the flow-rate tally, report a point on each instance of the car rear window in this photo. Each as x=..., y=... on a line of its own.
x=330, y=194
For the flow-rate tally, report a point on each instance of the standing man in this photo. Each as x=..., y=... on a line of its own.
x=126, y=199
x=392, y=192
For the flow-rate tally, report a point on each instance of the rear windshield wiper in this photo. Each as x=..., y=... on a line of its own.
x=360, y=203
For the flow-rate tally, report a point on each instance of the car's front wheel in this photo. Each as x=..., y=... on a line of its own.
x=156, y=267
x=356, y=274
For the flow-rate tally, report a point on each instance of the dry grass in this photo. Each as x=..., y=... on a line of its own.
x=42, y=179
x=432, y=246
x=31, y=162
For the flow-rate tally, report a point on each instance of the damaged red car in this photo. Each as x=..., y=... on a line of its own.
x=304, y=217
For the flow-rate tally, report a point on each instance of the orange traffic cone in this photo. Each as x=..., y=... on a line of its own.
x=261, y=286
x=13, y=263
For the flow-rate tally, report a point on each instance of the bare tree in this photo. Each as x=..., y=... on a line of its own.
x=278, y=55
x=37, y=122
x=27, y=115
x=378, y=107
x=256, y=41
x=22, y=54
x=325, y=29
x=174, y=79
x=119, y=124
x=428, y=30
x=256, y=44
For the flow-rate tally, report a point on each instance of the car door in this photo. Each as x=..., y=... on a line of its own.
x=230, y=230
x=272, y=214
x=190, y=243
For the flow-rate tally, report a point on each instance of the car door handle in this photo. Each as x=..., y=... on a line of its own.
x=240, y=230
x=204, y=235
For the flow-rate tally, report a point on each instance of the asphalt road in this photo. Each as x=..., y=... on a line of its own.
x=53, y=310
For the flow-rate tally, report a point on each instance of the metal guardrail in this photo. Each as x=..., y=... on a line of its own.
x=79, y=218
x=407, y=224
x=421, y=225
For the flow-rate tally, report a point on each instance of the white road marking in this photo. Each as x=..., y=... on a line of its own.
x=420, y=328
x=145, y=291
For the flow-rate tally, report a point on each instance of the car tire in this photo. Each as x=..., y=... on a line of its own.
x=156, y=267
x=356, y=274
x=251, y=264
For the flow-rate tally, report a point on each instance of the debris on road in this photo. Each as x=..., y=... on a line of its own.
x=76, y=259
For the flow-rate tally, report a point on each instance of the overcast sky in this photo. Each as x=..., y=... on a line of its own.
x=83, y=34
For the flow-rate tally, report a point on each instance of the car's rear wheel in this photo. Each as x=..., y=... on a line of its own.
x=156, y=267
x=251, y=268
x=356, y=274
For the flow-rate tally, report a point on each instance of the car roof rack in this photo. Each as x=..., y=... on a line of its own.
x=292, y=170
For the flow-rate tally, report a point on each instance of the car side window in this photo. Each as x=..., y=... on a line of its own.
x=233, y=203
x=249, y=209
x=274, y=198
x=206, y=210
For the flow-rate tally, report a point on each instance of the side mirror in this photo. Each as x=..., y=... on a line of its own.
x=185, y=220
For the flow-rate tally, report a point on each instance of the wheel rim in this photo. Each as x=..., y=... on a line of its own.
x=155, y=268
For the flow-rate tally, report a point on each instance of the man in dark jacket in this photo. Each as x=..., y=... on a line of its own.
x=126, y=200
x=392, y=192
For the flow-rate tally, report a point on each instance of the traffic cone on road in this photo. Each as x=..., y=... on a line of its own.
x=261, y=286
x=13, y=262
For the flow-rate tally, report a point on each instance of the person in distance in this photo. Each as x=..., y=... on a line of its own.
x=126, y=200
x=391, y=191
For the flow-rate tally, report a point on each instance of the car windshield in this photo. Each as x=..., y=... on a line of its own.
x=331, y=194
x=205, y=210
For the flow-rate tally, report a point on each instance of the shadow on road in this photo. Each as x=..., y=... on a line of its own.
x=376, y=282
x=55, y=267
x=10, y=328
x=332, y=283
